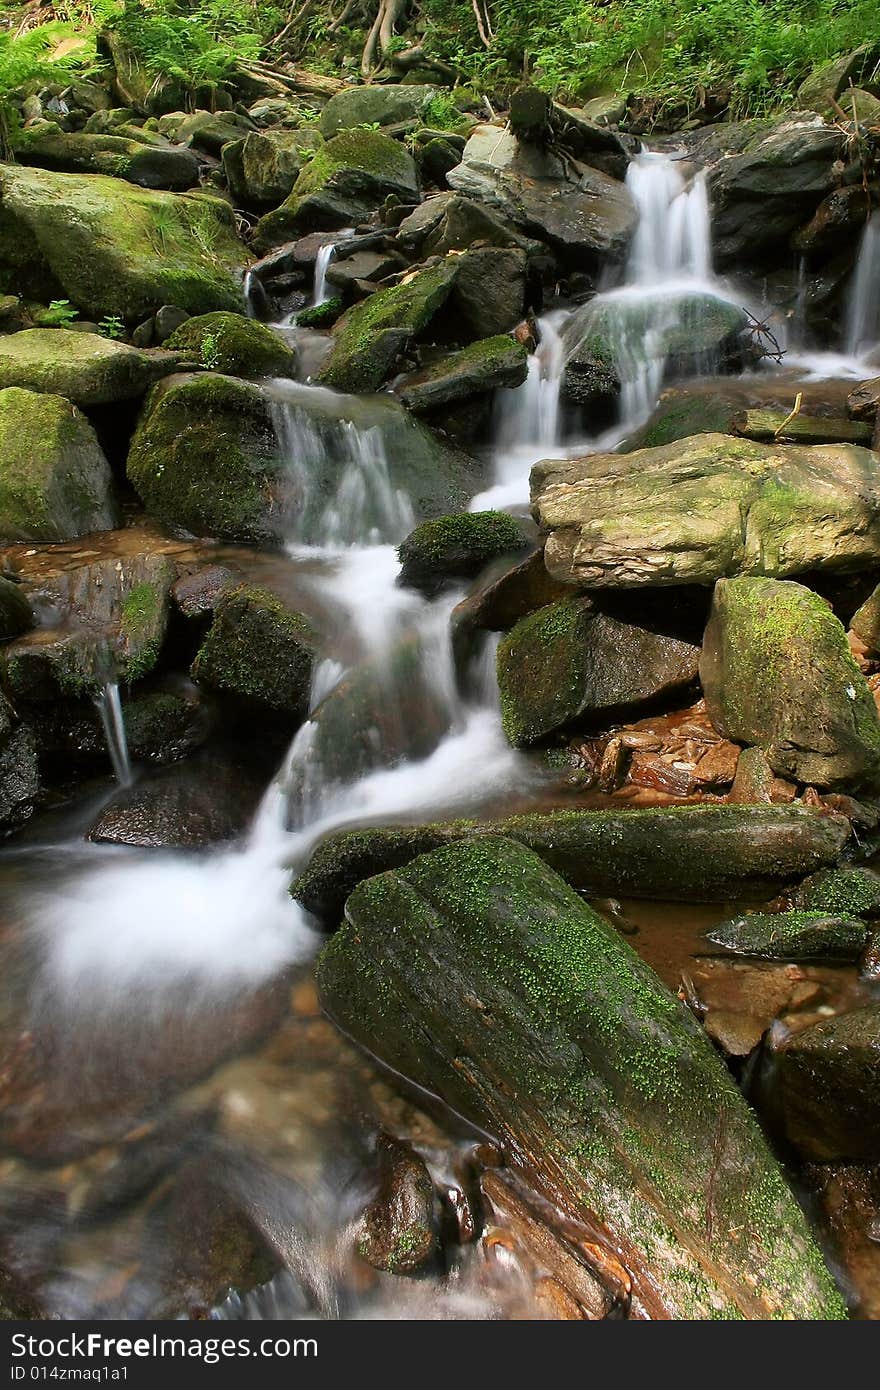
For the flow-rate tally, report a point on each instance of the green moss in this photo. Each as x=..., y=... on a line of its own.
x=240, y=346
x=321, y=315
x=848, y=891
x=258, y=650
x=456, y=547
x=141, y=628
x=797, y=935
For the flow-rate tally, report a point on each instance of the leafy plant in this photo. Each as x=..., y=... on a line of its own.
x=441, y=112
x=209, y=352
x=60, y=314
x=111, y=326
x=28, y=60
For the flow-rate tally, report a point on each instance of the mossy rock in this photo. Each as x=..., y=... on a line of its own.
x=570, y=664
x=374, y=105
x=321, y=315
x=209, y=131
x=262, y=169
x=55, y=482
x=16, y=615
x=234, y=345
x=370, y=336
x=111, y=248
x=503, y=993
x=343, y=184
x=826, y=1088
x=259, y=651
x=476, y=370
x=852, y=892
x=457, y=547
x=149, y=165
x=204, y=457
x=796, y=935
x=84, y=367
x=681, y=853
x=778, y=673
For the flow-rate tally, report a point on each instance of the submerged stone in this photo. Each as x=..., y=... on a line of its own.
x=544, y=1027
x=396, y=1232
x=777, y=672
x=797, y=935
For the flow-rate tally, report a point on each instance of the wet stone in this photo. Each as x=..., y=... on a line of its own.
x=397, y=1230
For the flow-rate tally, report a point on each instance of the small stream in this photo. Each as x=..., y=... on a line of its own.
x=174, y=1089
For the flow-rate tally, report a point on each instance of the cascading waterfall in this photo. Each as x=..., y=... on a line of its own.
x=862, y=331
x=113, y=721
x=322, y=260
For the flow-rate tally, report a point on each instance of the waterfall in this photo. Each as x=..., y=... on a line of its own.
x=862, y=331
x=110, y=709
x=325, y=255
x=672, y=240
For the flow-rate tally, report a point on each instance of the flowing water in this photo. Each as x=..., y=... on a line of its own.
x=863, y=313
x=112, y=721
x=169, y=1038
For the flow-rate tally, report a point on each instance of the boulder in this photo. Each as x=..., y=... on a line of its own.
x=55, y=482
x=195, y=595
x=344, y=183
x=680, y=853
x=370, y=336
x=262, y=169
x=864, y=401
x=847, y=891
x=769, y=426
x=16, y=614
x=208, y=131
x=825, y=1088
x=187, y=807
x=570, y=664
x=826, y=82
x=374, y=105
x=865, y=622
x=579, y=210
x=436, y=158
x=111, y=248
x=708, y=506
x=838, y=218
x=476, y=370
x=450, y=222
x=259, y=651
x=796, y=935
x=451, y=548
x=489, y=294
x=19, y=770
x=711, y=404
x=149, y=165
x=505, y=994
x=589, y=141
x=234, y=345
x=506, y=594
x=84, y=367
x=778, y=673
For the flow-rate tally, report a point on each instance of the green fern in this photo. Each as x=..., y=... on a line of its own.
x=26, y=61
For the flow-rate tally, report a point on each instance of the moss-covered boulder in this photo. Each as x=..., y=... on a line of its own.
x=847, y=890
x=570, y=663
x=16, y=615
x=825, y=83
x=473, y=371
x=153, y=165
x=697, y=509
x=777, y=672
x=233, y=344
x=259, y=651
x=262, y=169
x=825, y=1088
x=683, y=853
x=370, y=336
x=84, y=367
x=209, y=131
x=111, y=248
x=796, y=935
x=374, y=105
x=457, y=547
x=55, y=482
x=344, y=182
x=504, y=993
x=204, y=457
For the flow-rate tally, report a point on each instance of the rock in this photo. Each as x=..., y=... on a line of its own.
x=450, y=222
x=259, y=651
x=133, y=85
x=579, y=210
x=195, y=595
x=111, y=248
x=458, y=547
x=753, y=783
x=204, y=457
x=701, y=508
x=476, y=370
x=826, y=1088
x=234, y=345
x=55, y=482
x=683, y=853
x=185, y=807
x=839, y=217
x=543, y=1026
x=150, y=165
x=371, y=336
x=113, y=616
x=759, y=196
x=163, y=726
x=209, y=131
x=863, y=107
x=852, y=892
x=529, y=115
x=374, y=106
x=569, y=664
x=489, y=293
x=16, y=615
x=84, y=367
x=167, y=320
x=865, y=622
x=589, y=141
x=396, y=1232
x=605, y=110
x=262, y=169
x=349, y=274
x=343, y=184
x=826, y=82
x=19, y=770
x=798, y=935
x=321, y=315
x=710, y=405
x=506, y=594
x=436, y=158
x=768, y=426
x=815, y=719
x=864, y=401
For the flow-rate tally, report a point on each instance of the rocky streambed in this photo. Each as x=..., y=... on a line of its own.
x=439, y=736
